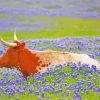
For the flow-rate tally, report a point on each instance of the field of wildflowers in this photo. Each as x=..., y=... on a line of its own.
x=63, y=82
x=44, y=20
x=22, y=14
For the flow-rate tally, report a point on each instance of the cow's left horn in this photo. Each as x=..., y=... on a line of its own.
x=8, y=44
x=15, y=37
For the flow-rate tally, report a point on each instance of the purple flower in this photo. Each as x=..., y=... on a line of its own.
x=77, y=97
x=51, y=87
x=43, y=81
x=45, y=89
x=1, y=81
x=79, y=87
x=94, y=79
x=50, y=70
x=72, y=87
x=63, y=94
x=30, y=91
x=17, y=98
x=2, y=90
x=80, y=83
x=86, y=90
x=73, y=66
x=60, y=86
x=74, y=75
x=21, y=91
x=60, y=80
x=37, y=93
x=63, y=74
x=67, y=93
x=79, y=68
x=94, y=67
x=90, y=87
x=88, y=83
x=89, y=76
x=99, y=89
x=57, y=91
x=42, y=95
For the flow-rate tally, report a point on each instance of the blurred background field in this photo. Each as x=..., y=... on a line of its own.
x=49, y=19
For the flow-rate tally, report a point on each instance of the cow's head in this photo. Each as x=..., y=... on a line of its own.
x=17, y=55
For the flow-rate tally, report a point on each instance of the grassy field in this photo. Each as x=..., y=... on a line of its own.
x=59, y=27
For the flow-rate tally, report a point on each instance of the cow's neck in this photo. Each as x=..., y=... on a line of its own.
x=28, y=62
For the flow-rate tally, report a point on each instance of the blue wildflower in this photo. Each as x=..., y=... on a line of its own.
x=57, y=91
x=77, y=97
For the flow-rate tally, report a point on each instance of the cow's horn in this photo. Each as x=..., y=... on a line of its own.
x=8, y=44
x=15, y=37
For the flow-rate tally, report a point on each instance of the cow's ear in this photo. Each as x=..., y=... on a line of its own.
x=23, y=44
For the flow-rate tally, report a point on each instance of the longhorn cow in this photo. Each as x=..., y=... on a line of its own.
x=30, y=61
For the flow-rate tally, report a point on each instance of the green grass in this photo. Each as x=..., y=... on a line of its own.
x=58, y=27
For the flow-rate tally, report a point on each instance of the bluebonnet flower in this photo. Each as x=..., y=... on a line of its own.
x=50, y=70
x=79, y=64
x=65, y=84
x=57, y=91
x=1, y=52
x=73, y=66
x=79, y=68
x=37, y=84
x=60, y=80
x=74, y=75
x=89, y=76
x=63, y=74
x=30, y=91
x=90, y=87
x=94, y=67
x=77, y=97
x=60, y=86
x=86, y=90
x=99, y=89
x=94, y=79
x=6, y=75
x=40, y=98
x=97, y=53
x=88, y=83
x=55, y=76
x=17, y=98
x=37, y=93
x=63, y=94
x=67, y=93
x=51, y=87
x=42, y=95
x=43, y=81
x=86, y=66
x=45, y=89
x=75, y=91
x=1, y=81
x=2, y=90
x=21, y=91
x=72, y=87
x=80, y=82
x=90, y=71
x=94, y=89
x=80, y=87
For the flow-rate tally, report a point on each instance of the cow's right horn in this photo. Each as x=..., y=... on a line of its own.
x=8, y=44
x=15, y=37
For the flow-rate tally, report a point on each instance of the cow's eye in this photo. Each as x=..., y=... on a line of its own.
x=15, y=48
